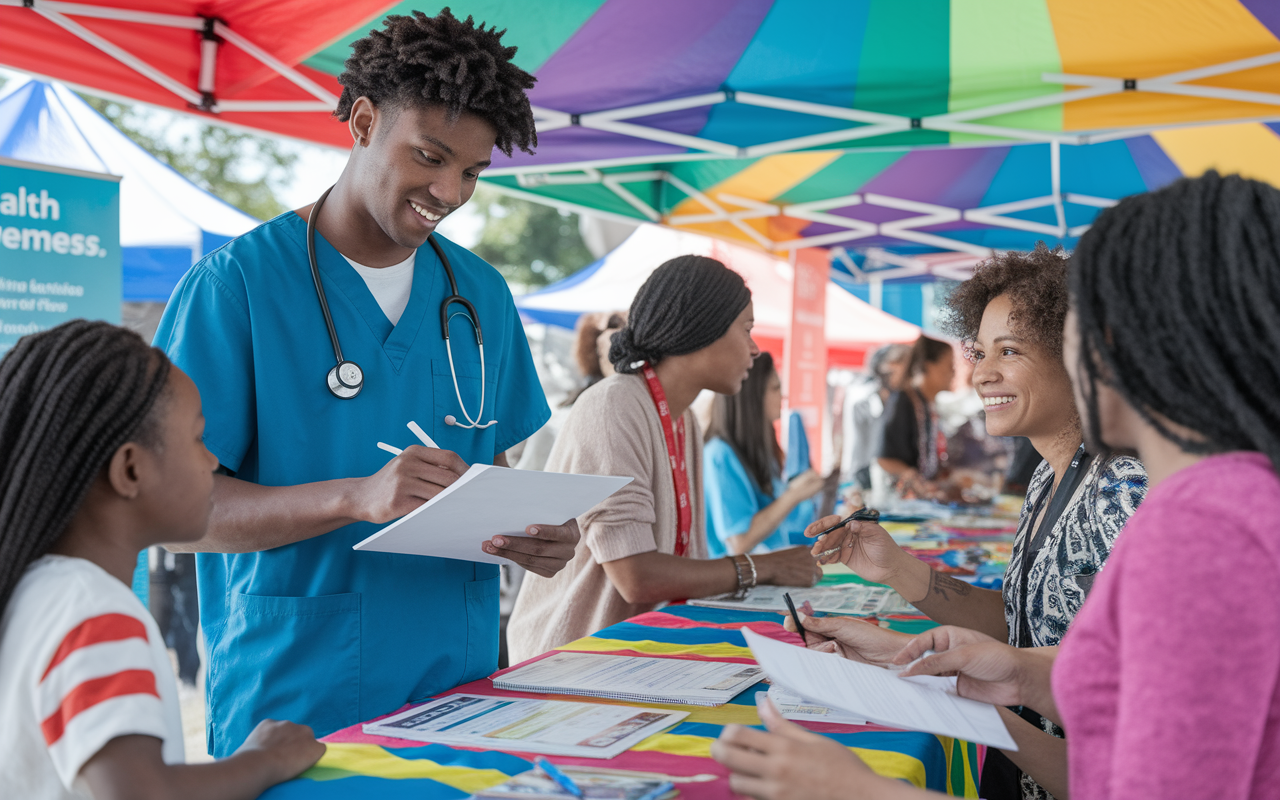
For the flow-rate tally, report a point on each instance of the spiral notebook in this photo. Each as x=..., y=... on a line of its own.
x=632, y=678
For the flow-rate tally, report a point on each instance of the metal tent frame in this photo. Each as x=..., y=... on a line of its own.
x=215, y=34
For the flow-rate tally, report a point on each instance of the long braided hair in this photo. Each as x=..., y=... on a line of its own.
x=1177, y=294
x=69, y=398
x=684, y=305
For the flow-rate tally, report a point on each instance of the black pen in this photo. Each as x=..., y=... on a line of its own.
x=794, y=616
x=863, y=514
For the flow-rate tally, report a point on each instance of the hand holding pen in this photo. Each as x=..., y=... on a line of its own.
x=858, y=542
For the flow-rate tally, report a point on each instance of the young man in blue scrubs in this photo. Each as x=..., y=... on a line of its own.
x=298, y=625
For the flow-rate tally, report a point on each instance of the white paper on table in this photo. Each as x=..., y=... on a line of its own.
x=795, y=707
x=489, y=501
x=878, y=694
x=550, y=727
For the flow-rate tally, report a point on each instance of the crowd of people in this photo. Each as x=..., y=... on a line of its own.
x=1142, y=369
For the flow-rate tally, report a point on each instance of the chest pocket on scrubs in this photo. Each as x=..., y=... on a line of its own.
x=294, y=658
x=472, y=444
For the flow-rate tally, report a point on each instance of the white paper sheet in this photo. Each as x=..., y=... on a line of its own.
x=845, y=598
x=878, y=694
x=489, y=501
x=634, y=678
x=551, y=727
x=795, y=707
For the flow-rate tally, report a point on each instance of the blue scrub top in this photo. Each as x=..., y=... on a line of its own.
x=315, y=632
x=732, y=499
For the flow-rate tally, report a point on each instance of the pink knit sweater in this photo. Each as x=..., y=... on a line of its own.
x=1168, y=679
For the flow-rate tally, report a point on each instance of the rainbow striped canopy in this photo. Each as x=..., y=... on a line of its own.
x=785, y=123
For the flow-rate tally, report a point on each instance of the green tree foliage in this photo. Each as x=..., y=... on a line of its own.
x=240, y=168
x=531, y=244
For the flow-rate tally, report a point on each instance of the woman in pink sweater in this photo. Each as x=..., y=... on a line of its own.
x=1168, y=682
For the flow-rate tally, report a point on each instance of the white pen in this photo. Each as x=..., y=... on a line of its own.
x=422, y=435
x=395, y=451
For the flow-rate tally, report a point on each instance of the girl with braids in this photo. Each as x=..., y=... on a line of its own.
x=689, y=330
x=750, y=508
x=103, y=458
x=1167, y=686
x=298, y=624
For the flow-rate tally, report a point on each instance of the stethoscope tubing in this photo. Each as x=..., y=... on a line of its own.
x=470, y=314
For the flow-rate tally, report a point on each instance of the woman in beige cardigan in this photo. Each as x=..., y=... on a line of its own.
x=689, y=329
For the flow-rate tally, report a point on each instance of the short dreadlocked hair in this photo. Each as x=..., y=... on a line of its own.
x=69, y=398
x=1036, y=283
x=1176, y=295
x=442, y=61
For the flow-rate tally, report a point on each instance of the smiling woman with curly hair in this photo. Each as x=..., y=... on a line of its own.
x=1010, y=316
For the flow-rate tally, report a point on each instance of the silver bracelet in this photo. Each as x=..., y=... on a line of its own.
x=742, y=590
x=752, y=562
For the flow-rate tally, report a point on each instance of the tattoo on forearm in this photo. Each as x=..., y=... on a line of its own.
x=941, y=585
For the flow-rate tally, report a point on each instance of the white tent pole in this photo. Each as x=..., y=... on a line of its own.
x=659, y=135
x=271, y=105
x=120, y=14
x=1088, y=200
x=662, y=107
x=122, y=55
x=823, y=239
x=877, y=293
x=1222, y=69
x=635, y=202
x=1055, y=177
x=284, y=70
x=819, y=139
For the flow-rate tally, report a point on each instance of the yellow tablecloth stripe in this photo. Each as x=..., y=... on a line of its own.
x=884, y=762
x=343, y=760
x=720, y=650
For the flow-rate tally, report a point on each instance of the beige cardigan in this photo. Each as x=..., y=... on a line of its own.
x=614, y=430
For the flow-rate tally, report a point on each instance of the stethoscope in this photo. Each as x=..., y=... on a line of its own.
x=346, y=379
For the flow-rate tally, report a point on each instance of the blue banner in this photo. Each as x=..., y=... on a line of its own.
x=60, y=255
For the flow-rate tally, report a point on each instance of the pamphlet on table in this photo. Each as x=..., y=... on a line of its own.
x=549, y=727
x=595, y=784
x=795, y=707
x=854, y=599
x=640, y=680
x=878, y=694
x=490, y=501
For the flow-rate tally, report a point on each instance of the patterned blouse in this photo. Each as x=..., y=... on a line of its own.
x=1064, y=569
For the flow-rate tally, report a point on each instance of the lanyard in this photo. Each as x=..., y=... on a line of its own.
x=1037, y=537
x=679, y=469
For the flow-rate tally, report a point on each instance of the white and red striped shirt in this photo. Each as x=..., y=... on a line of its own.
x=81, y=663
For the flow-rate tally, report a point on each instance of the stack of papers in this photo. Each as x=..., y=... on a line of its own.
x=641, y=680
x=594, y=784
x=879, y=695
x=853, y=599
x=579, y=730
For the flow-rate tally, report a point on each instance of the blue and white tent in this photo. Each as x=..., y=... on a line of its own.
x=166, y=222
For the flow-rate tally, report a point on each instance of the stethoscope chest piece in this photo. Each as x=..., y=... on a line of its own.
x=346, y=380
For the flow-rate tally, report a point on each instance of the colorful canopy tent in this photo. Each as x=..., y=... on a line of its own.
x=166, y=222
x=852, y=326
x=783, y=123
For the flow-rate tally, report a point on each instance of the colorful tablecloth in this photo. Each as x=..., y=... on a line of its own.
x=358, y=766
